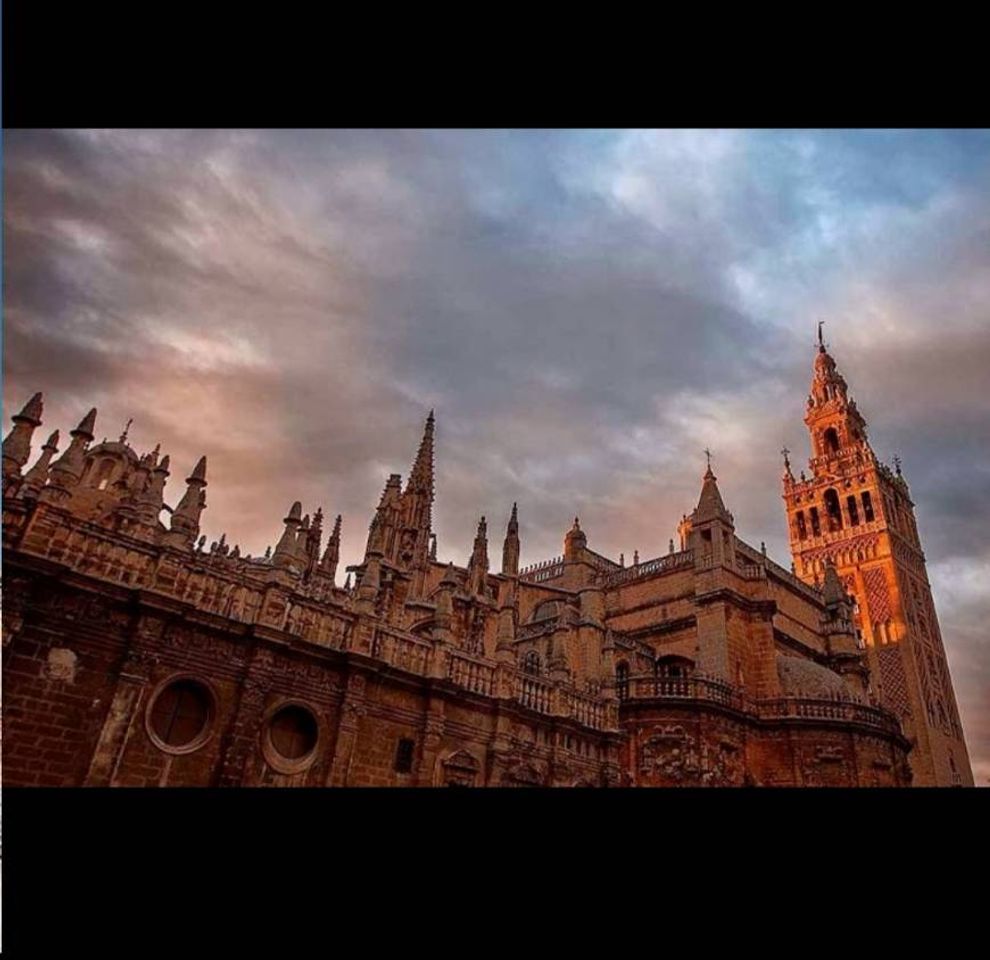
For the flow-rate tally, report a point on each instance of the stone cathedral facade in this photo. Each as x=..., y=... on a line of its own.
x=133, y=654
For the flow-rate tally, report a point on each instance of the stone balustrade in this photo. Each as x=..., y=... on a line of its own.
x=705, y=689
x=470, y=673
x=670, y=561
x=536, y=694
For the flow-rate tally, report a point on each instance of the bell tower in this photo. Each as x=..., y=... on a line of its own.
x=856, y=513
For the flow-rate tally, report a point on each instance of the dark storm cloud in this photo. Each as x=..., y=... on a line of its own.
x=586, y=311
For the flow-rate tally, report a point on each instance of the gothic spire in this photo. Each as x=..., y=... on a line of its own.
x=710, y=505
x=510, y=548
x=331, y=556
x=788, y=473
x=478, y=564
x=421, y=476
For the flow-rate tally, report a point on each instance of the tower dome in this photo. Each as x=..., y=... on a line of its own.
x=810, y=680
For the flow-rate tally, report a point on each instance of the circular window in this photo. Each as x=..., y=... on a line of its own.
x=293, y=732
x=180, y=715
x=290, y=743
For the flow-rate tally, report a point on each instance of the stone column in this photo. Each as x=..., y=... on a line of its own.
x=242, y=740
x=352, y=708
x=124, y=712
x=433, y=727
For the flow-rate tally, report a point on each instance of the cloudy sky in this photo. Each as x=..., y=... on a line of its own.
x=586, y=311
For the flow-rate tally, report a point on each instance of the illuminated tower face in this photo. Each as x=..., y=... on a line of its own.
x=856, y=512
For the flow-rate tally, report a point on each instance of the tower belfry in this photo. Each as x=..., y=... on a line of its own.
x=856, y=513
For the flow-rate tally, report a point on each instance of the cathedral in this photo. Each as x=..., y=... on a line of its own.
x=136, y=655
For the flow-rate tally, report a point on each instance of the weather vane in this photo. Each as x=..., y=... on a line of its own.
x=708, y=456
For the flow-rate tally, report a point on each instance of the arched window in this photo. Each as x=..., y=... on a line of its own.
x=103, y=473
x=622, y=680
x=802, y=527
x=546, y=610
x=867, y=507
x=832, y=510
x=816, y=527
x=853, y=511
x=531, y=663
x=674, y=667
x=831, y=440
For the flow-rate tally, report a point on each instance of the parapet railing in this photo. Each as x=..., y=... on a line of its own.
x=670, y=561
x=587, y=709
x=545, y=570
x=536, y=694
x=705, y=689
x=480, y=675
x=470, y=673
x=649, y=686
x=762, y=560
x=843, y=710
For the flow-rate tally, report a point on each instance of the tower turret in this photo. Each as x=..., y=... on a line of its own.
x=285, y=550
x=37, y=476
x=184, y=525
x=66, y=471
x=575, y=541
x=17, y=444
x=710, y=530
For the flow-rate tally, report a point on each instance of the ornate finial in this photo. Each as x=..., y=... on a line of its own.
x=821, y=342
x=708, y=457
x=786, y=453
x=127, y=426
x=635, y=558
x=670, y=545
x=897, y=464
x=622, y=559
